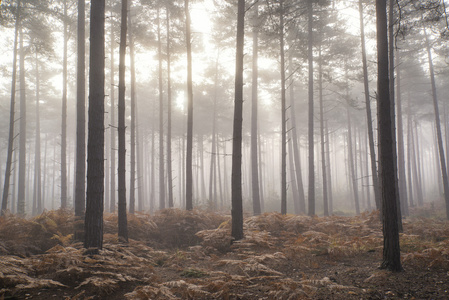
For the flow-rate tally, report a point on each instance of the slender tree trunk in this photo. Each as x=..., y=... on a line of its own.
x=409, y=155
x=293, y=176
x=296, y=154
x=254, y=116
x=22, y=132
x=64, y=114
x=122, y=217
x=283, y=115
x=369, y=119
x=140, y=164
x=161, y=119
x=237, y=201
x=311, y=199
x=93, y=226
x=392, y=106
x=351, y=158
x=438, y=126
x=391, y=250
x=189, y=171
x=132, y=175
x=169, y=121
x=401, y=160
x=11, y=118
x=329, y=175
x=323, y=154
x=37, y=151
x=113, y=124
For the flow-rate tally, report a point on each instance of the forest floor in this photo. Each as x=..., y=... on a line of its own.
x=188, y=255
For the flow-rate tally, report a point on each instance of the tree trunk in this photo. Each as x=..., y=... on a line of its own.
x=122, y=217
x=311, y=199
x=93, y=227
x=132, y=175
x=254, y=102
x=409, y=155
x=283, y=115
x=400, y=141
x=113, y=124
x=329, y=175
x=323, y=155
x=169, y=121
x=11, y=118
x=37, y=209
x=351, y=158
x=369, y=118
x=64, y=114
x=237, y=201
x=391, y=250
x=438, y=126
x=161, y=119
x=22, y=132
x=189, y=150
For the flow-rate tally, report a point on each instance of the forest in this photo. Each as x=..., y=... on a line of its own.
x=218, y=149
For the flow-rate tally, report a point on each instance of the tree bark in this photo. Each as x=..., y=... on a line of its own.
x=22, y=132
x=189, y=150
x=391, y=250
x=132, y=175
x=323, y=154
x=93, y=226
x=311, y=199
x=369, y=118
x=37, y=197
x=254, y=116
x=169, y=117
x=237, y=201
x=283, y=115
x=161, y=119
x=64, y=113
x=11, y=118
x=122, y=217
x=113, y=124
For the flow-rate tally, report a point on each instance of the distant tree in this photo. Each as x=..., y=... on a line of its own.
x=311, y=194
x=93, y=226
x=11, y=114
x=237, y=202
x=254, y=102
x=80, y=168
x=132, y=175
x=122, y=218
x=391, y=250
x=64, y=111
x=189, y=150
x=22, y=130
x=161, y=118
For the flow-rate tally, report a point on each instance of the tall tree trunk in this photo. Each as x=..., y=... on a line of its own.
x=113, y=124
x=438, y=126
x=237, y=201
x=329, y=175
x=169, y=121
x=391, y=250
x=401, y=159
x=132, y=175
x=93, y=226
x=409, y=154
x=11, y=118
x=283, y=115
x=351, y=158
x=254, y=116
x=64, y=113
x=161, y=119
x=122, y=217
x=296, y=155
x=323, y=155
x=369, y=119
x=140, y=164
x=22, y=132
x=37, y=151
x=293, y=176
x=311, y=199
x=189, y=150
x=392, y=106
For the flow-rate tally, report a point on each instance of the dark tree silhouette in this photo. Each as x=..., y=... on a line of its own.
x=93, y=226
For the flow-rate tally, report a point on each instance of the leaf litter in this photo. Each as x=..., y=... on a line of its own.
x=177, y=254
